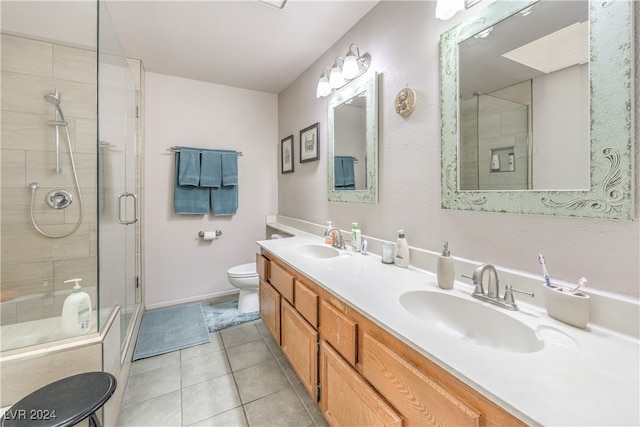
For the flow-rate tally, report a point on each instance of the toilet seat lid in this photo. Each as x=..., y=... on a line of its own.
x=243, y=270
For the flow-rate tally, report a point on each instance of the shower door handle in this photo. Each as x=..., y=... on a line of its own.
x=135, y=208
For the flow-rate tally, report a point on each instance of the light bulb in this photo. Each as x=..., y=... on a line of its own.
x=350, y=68
x=324, y=88
x=336, y=79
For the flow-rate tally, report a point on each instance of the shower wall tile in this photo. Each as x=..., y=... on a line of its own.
x=8, y=313
x=25, y=93
x=27, y=245
x=13, y=167
x=31, y=278
x=26, y=131
x=84, y=268
x=89, y=197
x=26, y=56
x=40, y=167
x=86, y=135
x=16, y=207
x=74, y=64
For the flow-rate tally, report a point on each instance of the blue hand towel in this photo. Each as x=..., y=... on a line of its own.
x=347, y=171
x=189, y=168
x=211, y=169
x=338, y=172
x=189, y=200
x=224, y=200
x=229, y=168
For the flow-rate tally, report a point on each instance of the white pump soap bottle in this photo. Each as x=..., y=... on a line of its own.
x=76, y=311
x=445, y=268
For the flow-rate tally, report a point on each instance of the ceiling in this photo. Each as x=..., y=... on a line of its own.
x=242, y=43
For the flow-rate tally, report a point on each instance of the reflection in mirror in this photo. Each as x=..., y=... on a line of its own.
x=485, y=156
x=524, y=101
x=350, y=144
x=353, y=143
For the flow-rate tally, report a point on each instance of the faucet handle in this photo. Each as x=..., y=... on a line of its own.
x=508, y=296
x=478, y=285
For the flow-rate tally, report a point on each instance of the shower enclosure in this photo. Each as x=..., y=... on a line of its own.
x=495, y=143
x=71, y=151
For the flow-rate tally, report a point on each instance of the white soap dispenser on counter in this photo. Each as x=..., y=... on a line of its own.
x=445, y=268
x=76, y=311
x=402, y=250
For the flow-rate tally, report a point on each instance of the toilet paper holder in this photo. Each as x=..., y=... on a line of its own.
x=218, y=233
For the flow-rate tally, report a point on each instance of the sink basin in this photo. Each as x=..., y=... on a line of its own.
x=317, y=251
x=471, y=321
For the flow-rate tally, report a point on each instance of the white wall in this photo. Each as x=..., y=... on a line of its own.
x=180, y=267
x=403, y=39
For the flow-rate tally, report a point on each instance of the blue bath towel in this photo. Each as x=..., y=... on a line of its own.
x=224, y=200
x=229, y=168
x=211, y=169
x=344, y=178
x=189, y=200
x=338, y=173
x=189, y=167
x=347, y=170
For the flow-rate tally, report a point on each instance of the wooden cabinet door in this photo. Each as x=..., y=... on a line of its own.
x=347, y=399
x=282, y=280
x=306, y=302
x=262, y=267
x=421, y=400
x=339, y=330
x=300, y=345
x=270, y=308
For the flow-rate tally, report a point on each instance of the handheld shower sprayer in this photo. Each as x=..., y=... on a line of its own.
x=58, y=199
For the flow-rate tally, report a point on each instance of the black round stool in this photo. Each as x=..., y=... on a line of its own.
x=65, y=402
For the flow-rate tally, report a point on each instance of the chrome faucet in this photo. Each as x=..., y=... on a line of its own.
x=493, y=289
x=339, y=241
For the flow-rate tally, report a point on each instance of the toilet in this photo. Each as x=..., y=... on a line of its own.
x=245, y=278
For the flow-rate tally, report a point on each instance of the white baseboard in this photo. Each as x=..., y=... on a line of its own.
x=197, y=298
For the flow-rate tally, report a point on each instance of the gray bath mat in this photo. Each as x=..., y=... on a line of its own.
x=169, y=329
x=226, y=314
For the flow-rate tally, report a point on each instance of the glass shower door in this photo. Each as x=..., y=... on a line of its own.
x=117, y=154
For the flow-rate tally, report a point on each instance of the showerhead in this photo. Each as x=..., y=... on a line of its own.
x=53, y=98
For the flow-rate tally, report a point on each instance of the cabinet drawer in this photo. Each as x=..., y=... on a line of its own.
x=419, y=399
x=306, y=303
x=339, y=330
x=300, y=345
x=282, y=281
x=270, y=309
x=262, y=267
x=347, y=399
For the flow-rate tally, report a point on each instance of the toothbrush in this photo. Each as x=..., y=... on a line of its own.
x=547, y=279
x=581, y=282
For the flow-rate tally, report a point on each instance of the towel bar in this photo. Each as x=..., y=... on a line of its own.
x=177, y=150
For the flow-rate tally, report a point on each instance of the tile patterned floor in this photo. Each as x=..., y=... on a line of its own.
x=240, y=378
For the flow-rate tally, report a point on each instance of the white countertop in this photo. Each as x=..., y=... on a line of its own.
x=580, y=377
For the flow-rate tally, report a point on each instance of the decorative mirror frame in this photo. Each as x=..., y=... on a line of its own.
x=612, y=91
x=370, y=194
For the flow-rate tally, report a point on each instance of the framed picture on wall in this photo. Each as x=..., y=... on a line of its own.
x=286, y=154
x=309, y=144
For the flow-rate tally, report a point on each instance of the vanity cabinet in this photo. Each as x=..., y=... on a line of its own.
x=420, y=398
x=270, y=308
x=339, y=330
x=347, y=399
x=300, y=345
x=363, y=375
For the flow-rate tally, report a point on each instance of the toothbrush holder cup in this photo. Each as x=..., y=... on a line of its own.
x=567, y=307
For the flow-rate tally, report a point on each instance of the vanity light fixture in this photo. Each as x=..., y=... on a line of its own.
x=336, y=79
x=445, y=9
x=483, y=34
x=343, y=71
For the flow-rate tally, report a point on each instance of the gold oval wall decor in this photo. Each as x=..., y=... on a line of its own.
x=405, y=102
